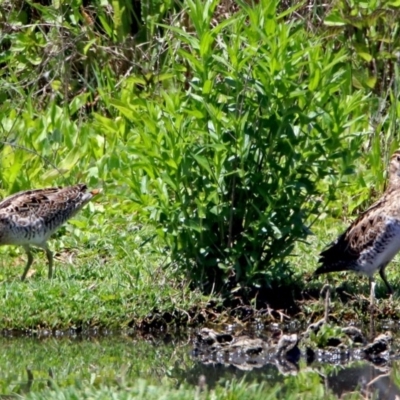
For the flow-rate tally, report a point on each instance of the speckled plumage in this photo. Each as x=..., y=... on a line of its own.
x=31, y=217
x=373, y=239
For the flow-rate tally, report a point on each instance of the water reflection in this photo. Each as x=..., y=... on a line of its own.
x=31, y=364
x=358, y=377
x=35, y=365
x=366, y=379
x=343, y=367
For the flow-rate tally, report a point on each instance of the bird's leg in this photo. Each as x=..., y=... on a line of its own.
x=372, y=285
x=50, y=259
x=383, y=276
x=29, y=263
x=327, y=290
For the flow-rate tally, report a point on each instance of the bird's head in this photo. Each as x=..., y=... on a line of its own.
x=394, y=169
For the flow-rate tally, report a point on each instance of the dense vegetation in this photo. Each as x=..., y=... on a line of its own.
x=222, y=133
x=228, y=127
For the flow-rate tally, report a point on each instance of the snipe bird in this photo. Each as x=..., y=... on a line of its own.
x=373, y=239
x=30, y=217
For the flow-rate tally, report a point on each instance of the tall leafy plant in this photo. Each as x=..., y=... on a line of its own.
x=232, y=153
x=368, y=32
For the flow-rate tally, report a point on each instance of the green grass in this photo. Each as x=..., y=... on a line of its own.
x=112, y=272
x=108, y=272
x=142, y=390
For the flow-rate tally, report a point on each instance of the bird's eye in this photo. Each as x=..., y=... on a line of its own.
x=398, y=158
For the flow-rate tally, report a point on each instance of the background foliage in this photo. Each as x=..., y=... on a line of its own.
x=231, y=127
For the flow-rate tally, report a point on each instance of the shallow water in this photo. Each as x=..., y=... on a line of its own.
x=34, y=364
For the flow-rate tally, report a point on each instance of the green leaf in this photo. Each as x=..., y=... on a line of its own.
x=315, y=79
x=203, y=162
x=366, y=56
x=334, y=19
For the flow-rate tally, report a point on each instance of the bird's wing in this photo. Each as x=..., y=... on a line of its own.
x=359, y=236
x=43, y=202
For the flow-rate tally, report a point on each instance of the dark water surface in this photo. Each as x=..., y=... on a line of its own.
x=33, y=364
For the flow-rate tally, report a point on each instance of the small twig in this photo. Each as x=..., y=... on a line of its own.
x=45, y=159
x=377, y=378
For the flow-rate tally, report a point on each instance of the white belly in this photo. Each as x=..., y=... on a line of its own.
x=371, y=260
x=35, y=240
x=28, y=234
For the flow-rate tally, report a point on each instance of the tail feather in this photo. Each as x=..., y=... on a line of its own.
x=337, y=257
x=326, y=268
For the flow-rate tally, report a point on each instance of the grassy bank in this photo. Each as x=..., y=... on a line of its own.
x=224, y=137
x=216, y=146
x=116, y=275
x=108, y=273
